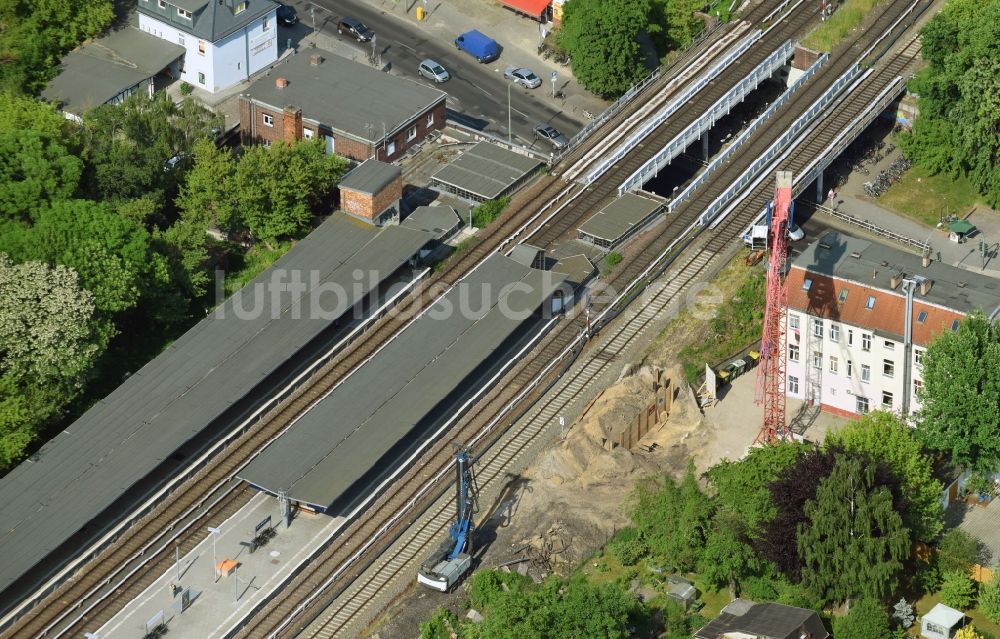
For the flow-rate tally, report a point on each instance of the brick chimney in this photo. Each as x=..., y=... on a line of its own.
x=292, y=125
x=315, y=60
x=895, y=280
x=925, y=286
x=281, y=83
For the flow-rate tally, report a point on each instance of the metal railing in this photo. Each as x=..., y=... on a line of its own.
x=779, y=145
x=652, y=123
x=705, y=122
x=873, y=228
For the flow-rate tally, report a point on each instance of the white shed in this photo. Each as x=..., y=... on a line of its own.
x=941, y=622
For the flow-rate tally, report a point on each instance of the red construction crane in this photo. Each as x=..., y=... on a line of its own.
x=771, y=373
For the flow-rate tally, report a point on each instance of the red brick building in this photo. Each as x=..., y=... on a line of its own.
x=360, y=112
x=372, y=191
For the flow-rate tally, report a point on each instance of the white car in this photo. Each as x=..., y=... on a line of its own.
x=525, y=77
x=795, y=233
x=433, y=71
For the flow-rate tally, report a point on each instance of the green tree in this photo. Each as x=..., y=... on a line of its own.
x=854, y=542
x=601, y=37
x=867, y=619
x=49, y=344
x=989, y=599
x=673, y=519
x=35, y=170
x=958, y=551
x=443, y=625
x=960, y=401
x=682, y=24
x=727, y=559
x=279, y=188
x=22, y=112
x=887, y=440
x=958, y=590
x=207, y=197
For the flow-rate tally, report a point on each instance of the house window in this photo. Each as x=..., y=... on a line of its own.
x=818, y=328
x=793, y=353
x=850, y=337
x=793, y=385
x=866, y=342
x=201, y=47
x=264, y=24
x=268, y=119
x=870, y=302
x=890, y=346
x=918, y=358
x=843, y=295
x=917, y=385
x=861, y=404
x=240, y=8
x=850, y=368
x=430, y=119
x=936, y=629
x=307, y=134
x=180, y=39
x=834, y=364
x=887, y=400
x=161, y=4
x=201, y=78
x=834, y=332
x=411, y=133
x=888, y=367
x=954, y=326
x=793, y=321
x=390, y=149
x=922, y=317
x=866, y=373
x=807, y=284
x=266, y=144
x=817, y=359
x=184, y=13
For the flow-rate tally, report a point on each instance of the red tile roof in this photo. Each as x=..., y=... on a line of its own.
x=887, y=314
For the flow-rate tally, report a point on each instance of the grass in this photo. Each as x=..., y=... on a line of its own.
x=460, y=248
x=978, y=619
x=484, y=214
x=244, y=266
x=839, y=25
x=610, y=261
x=926, y=198
x=722, y=6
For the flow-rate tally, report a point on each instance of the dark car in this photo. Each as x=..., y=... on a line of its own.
x=355, y=28
x=286, y=15
x=551, y=135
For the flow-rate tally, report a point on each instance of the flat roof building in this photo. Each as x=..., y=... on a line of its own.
x=90, y=476
x=625, y=216
x=485, y=172
x=346, y=435
x=861, y=316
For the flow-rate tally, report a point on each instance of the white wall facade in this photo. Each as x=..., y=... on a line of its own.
x=218, y=66
x=825, y=363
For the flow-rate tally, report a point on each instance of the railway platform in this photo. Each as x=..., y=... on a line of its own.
x=215, y=602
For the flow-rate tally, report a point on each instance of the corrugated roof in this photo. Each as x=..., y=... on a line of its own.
x=766, y=621
x=97, y=71
x=619, y=217
x=345, y=96
x=125, y=436
x=486, y=170
x=345, y=435
x=371, y=176
x=217, y=20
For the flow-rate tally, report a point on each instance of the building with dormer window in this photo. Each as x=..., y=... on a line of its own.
x=226, y=41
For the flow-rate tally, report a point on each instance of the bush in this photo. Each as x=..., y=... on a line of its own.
x=628, y=547
x=957, y=590
x=989, y=599
x=487, y=587
x=186, y=88
x=610, y=261
x=488, y=211
x=441, y=625
x=958, y=551
x=866, y=620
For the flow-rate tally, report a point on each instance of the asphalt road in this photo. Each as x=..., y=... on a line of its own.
x=477, y=93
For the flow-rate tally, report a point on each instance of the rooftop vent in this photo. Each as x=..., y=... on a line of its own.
x=962, y=284
x=281, y=83
x=885, y=263
x=315, y=59
x=856, y=255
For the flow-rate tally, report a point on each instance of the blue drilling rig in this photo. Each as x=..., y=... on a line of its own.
x=443, y=569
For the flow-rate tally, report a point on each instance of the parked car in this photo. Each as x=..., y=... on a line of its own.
x=174, y=161
x=525, y=77
x=355, y=28
x=795, y=233
x=433, y=71
x=478, y=45
x=286, y=15
x=551, y=135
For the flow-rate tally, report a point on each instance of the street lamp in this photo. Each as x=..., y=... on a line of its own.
x=509, y=85
x=215, y=560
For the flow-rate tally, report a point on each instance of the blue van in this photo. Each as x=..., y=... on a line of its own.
x=478, y=45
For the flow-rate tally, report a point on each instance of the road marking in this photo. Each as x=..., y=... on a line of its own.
x=405, y=46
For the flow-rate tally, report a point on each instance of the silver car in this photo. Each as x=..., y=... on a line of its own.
x=551, y=135
x=525, y=77
x=433, y=71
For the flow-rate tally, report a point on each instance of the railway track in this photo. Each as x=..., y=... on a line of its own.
x=663, y=249
x=144, y=550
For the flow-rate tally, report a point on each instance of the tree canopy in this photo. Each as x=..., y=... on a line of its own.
x=960, y=400
x=958, y=130
x=673, y=519
x=602, y=39
x=867, y=619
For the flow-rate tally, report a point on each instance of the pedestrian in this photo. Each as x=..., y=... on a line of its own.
x=831, y=195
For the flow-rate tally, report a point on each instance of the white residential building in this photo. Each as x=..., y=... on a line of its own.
x=225, y=41
x=860, y=317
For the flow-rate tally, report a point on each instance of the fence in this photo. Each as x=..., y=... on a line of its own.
x=704, y=123
x=480, y=136
x=873, y=228
x=644, y=422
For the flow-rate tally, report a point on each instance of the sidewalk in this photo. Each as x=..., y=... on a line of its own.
x=218, y=602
